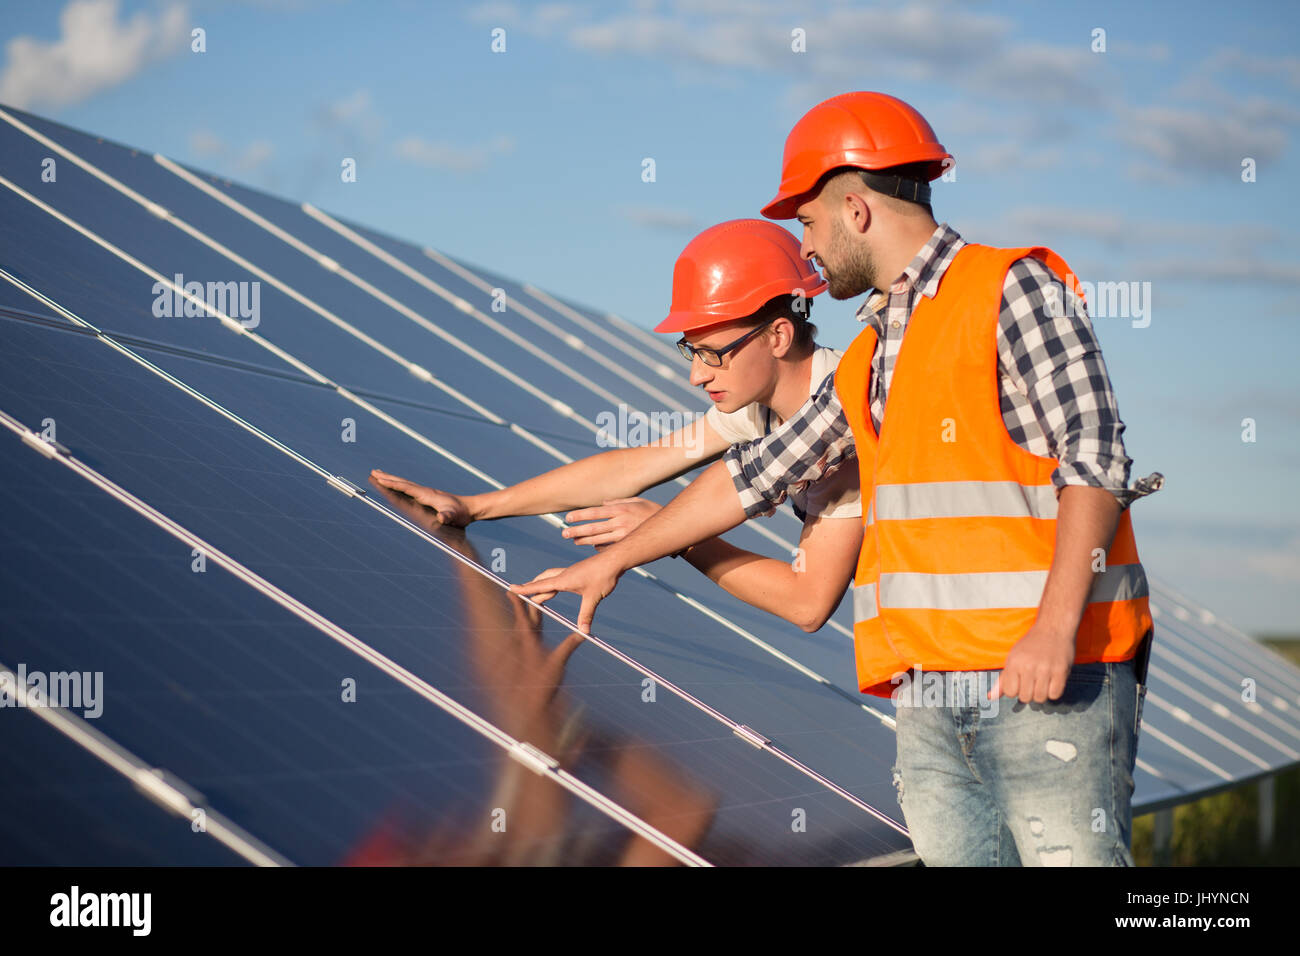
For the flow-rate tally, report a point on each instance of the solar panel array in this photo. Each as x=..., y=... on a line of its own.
x=305, y=669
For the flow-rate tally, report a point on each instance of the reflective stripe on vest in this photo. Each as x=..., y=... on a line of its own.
x=962, y=499
x=988, y=589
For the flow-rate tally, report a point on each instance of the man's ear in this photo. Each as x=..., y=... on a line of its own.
x=857, y=211
x=783, y=329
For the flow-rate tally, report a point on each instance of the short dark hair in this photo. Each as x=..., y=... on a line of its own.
x=918, y=172
x=795, y=308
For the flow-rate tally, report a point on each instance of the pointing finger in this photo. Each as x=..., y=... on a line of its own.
x=533, y=587
x=587, y=613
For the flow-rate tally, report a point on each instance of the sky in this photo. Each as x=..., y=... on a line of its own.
x=1151, y=145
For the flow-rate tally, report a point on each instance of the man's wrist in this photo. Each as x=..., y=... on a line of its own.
x=483, y=506
x=1061, y=626
x=610, y=560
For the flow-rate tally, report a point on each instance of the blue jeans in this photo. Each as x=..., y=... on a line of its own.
x=1004, y=783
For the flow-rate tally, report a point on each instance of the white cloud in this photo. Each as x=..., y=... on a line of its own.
x=1024, y=85
x=1191, y=250
x=254, y=156
x=204, y=142
x=1207, y=126
x=1285, y=68
x=1151, y=52
x=1118, y=229
x=1218, y=269
x=93, y=53
x=1003, y=157
x=350, y=107
x=1046, y=73
x=1203, y=140
x=659, y=217
x=1060, y=90
x=495, y=12
x=456, y=157
x=540, y=19
x=849, y=46
x=351, y=119
x=734, y=43
x=251, y=159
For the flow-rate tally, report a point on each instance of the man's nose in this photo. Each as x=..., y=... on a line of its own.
x=700, y=373
x=805, y=246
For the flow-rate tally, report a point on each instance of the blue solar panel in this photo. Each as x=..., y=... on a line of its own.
x=1218, y=654
x=1199, y=688
x=61, y=806
x=282, y=320
x=238, y=697
x=207, y=659
x=367, y=371
x=387, y=586
x=848, y=743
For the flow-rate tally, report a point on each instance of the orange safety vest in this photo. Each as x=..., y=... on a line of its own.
x=960, y=521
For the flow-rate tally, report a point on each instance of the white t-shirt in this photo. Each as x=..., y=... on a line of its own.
x=836, y=496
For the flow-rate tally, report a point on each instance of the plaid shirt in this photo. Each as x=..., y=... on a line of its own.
x=1056, y=396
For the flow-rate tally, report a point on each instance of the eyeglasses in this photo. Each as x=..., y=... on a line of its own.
x=713, y=357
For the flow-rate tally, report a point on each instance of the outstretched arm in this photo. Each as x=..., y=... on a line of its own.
x=751, y=480
x=707, y=507
x=615, y=474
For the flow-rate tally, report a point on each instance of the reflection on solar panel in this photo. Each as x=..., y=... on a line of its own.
x=303, y=669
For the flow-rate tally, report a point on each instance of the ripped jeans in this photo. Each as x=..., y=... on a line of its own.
x=1046, y=784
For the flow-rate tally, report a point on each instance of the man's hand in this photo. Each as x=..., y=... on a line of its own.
x=709, y=507
x=1037, y=666
x=611, y=521
x=544, y=596
x=450, y=509
x=594, y=579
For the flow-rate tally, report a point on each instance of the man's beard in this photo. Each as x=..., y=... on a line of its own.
x=855, y=272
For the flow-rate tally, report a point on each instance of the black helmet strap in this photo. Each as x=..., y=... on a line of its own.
x=910, y=189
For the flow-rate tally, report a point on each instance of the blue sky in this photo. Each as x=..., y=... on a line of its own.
x=1127, y=161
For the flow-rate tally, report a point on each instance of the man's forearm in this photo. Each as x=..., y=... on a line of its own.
x=1086, y=520
x=708, y=507
x=617, y=473
x=762, y=582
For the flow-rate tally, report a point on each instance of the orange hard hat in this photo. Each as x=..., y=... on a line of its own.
x=730, y=270
x=867, y=130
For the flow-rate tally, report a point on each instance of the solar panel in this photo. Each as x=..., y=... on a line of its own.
x=691, y=727
x=243, y=700
x=375, y=579
x=290, y=313
x=661, y=380
x=814, y=652
x=78, y=810
x=309, y=419
x=489, y=388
